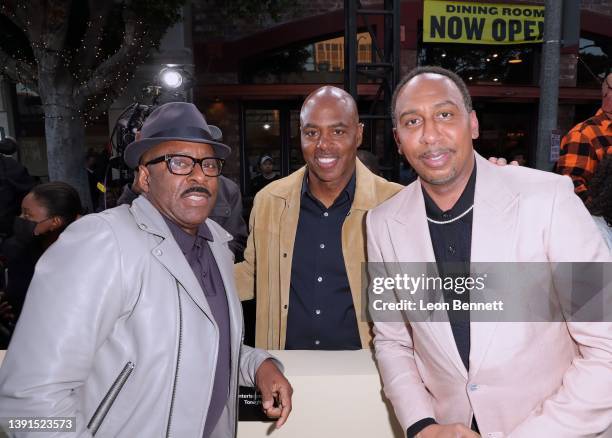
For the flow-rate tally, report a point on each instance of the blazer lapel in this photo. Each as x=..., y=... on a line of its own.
x=494, y=229
x=411, y=242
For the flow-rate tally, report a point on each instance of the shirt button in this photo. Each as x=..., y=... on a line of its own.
x=451, y=249
x=158, y=252
x=473, y=387
x=445, y=215
x=320, y=279
x=322, y=246
x=326, y=214
x=317, y=342
x=143, y=226
x=318, y=311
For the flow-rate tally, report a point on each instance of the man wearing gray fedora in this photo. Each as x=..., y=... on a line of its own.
x=132, y=326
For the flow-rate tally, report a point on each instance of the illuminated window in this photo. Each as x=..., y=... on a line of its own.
x=313, y=62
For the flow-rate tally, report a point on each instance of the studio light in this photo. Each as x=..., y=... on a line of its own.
x=171, y=78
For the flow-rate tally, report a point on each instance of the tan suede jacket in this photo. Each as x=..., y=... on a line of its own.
x=266, y=270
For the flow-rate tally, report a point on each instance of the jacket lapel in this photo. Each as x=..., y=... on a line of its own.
x=168, y=253
x=411, y=242
x=494, y=226
x=290, y=195
x=353, y=241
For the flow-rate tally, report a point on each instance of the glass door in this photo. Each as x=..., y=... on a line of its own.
x=270, y=147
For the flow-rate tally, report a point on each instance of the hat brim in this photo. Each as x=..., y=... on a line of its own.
x=134, y=150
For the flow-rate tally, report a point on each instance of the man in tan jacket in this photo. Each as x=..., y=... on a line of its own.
x=307, y=236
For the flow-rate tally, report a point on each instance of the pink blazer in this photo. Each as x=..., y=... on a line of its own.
x=525, y=379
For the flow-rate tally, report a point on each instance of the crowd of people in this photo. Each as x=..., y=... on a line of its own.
x=132, y=322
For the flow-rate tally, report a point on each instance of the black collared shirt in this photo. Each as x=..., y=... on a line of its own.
x=321, y=311
x=204, y=266
x=452, y=245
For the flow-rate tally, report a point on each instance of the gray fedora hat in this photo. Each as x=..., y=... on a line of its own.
x=175, y=121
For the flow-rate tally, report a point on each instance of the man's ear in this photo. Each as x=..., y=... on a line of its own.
x=359, y=133
x=474, y=125
x=142, y=178
x=397, y=141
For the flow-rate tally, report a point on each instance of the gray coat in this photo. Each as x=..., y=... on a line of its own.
x=116, y=331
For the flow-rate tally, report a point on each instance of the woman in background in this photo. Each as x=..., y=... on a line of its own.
x=45, y=212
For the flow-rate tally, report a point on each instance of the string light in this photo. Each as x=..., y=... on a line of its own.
x=95, y=86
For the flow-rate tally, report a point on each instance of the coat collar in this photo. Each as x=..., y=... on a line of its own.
x=168, y=253
x=491, y=190
x=289, y=188
x=149, y=219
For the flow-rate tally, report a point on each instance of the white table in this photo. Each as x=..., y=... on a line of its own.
x=336, y=394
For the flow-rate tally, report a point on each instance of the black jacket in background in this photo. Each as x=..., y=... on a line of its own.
x=15, y=183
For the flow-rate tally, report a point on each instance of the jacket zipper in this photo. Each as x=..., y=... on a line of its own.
x=178, y=359
x=237, y=404
x=100, y=413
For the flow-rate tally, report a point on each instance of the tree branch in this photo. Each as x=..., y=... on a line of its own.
x=18, y=70
x=34, y=25
x=55, y=28
x=99, y=12
x=114, y=73
x=15, y=11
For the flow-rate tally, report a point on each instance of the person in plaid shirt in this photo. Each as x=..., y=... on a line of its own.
x=587, y=143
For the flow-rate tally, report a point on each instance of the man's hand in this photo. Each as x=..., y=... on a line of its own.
x=502, y=161
x=447, y=431
x=274, y=388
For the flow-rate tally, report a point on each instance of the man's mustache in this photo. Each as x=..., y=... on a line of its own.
x=197, y=189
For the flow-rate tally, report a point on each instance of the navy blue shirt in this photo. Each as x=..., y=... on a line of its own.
x=204, y=266
x=321, y=313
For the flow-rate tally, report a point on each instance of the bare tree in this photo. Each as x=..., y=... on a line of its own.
x=79, y=55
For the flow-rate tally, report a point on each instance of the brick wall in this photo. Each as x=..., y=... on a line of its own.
x=208, y=21
x=600, y=6
x=567, y=70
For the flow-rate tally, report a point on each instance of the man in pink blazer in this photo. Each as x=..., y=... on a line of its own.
x=492, y=379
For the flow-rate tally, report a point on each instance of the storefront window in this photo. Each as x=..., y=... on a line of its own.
x=316, y=62
x=594, y=60
x=262, y=147
x=485, y=64
x=506, y=131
